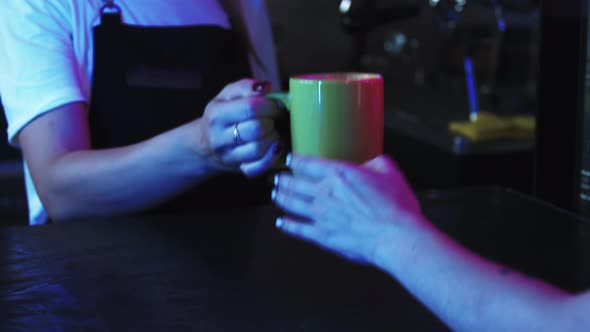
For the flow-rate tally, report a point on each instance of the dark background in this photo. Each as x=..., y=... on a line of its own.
x=7, y=153
x=425, y=86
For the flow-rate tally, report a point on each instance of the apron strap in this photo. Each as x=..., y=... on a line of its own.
x=110, y=13
x=235, y=12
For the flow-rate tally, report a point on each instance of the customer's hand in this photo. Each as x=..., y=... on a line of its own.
x=237, y=129
x=345, y=208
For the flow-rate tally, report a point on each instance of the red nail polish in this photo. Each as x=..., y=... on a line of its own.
x=261, y=86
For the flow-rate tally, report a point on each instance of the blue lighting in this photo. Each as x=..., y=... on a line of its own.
x=471, y=88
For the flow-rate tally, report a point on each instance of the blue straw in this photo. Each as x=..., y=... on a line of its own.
x=471, y=88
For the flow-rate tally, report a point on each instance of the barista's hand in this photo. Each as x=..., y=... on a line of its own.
x=237, y=129
x=346, y=208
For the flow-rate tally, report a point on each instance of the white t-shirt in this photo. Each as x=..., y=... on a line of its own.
x=46, y=53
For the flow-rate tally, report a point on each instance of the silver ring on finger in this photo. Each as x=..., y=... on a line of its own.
x=237, y=138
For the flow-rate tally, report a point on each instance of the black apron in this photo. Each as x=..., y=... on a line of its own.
x=147, y=80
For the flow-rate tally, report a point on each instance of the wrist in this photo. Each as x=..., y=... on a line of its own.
x=400, y=244
x=197, y=145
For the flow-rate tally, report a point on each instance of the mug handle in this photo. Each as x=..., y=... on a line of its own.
x=283, y=97
x=284, y=100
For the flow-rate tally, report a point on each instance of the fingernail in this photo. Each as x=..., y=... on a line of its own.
x=273, y=195
x=288, y=160
x=279, y=223
x=261, y=86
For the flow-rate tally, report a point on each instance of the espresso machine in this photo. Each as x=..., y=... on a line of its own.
x=482, y=39
x=474, y=27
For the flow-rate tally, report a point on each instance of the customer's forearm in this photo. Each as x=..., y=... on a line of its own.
x=467, y=292
x=126, y=179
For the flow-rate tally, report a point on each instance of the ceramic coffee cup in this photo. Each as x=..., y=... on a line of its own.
x=336, y=115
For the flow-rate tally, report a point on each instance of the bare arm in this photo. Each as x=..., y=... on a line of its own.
x=73, y=180
x=470, y=293
x=369, y=215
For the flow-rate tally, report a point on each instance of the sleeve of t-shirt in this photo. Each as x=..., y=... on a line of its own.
x=38, y=69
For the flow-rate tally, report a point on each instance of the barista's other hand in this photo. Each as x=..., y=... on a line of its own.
x=237, y=128
x=346, y=208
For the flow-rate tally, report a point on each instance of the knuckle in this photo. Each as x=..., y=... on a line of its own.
x=249, y=110
x=209, y=109
x=338, y=180
x=281, y=198
x=212, y=121
x=256, y=129
x=285, y=182
x=211, y=117
x=235, y=84
x=245, y=81
x=295, y=228
x=258, y=149
x=242, y=87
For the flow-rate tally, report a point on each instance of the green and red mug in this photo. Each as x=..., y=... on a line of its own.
x=336, y=115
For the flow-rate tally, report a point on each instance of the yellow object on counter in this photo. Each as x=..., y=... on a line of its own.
x=488, y=126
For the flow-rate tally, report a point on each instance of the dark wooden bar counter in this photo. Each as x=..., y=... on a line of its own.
x=232, y=271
